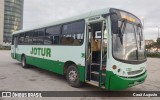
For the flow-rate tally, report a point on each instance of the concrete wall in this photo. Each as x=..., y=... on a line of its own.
x=1, y=20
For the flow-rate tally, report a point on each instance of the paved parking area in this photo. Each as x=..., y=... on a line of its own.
x=15, y=78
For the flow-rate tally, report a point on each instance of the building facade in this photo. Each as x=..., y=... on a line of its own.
x=11, y=18
x=149, y=42
x=1, y=20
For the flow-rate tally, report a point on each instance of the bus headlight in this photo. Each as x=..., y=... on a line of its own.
x=114, y=67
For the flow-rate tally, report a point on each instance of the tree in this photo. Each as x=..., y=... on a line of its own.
x=148, y=47
x=158, y=44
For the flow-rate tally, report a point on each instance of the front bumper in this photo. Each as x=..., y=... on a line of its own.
x=121, y=83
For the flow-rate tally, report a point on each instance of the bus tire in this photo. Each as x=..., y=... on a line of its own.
x=72, y=76
x=24, y=64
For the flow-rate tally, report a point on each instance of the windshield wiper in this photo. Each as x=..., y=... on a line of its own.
x=139, y=31
x=140, y=40
x=122, y=29
x=123, y=26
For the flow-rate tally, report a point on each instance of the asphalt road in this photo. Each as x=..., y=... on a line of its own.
x=14, y=78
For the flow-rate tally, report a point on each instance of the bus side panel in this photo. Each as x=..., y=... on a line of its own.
x=81, y=73
x=53, y=66
x=55, y=63
x=12, y=55
x=18, y=57
x=50, y=65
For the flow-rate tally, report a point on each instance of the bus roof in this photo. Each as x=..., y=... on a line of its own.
x=78, y=17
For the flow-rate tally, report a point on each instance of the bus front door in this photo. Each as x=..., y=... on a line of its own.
x=96, y=54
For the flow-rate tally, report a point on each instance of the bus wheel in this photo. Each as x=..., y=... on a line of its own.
x=72, y=76
x=24, y=65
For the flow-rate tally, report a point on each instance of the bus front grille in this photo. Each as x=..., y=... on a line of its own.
x=135, y=72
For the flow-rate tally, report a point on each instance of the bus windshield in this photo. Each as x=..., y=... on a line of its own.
x=130, y=46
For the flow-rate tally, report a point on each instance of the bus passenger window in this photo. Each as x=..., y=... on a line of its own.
x=47, y=40
x=21, y=39
x=72, y=33
x=67, y=40
x=55, y=39
x=52, y=35
x=35, y=35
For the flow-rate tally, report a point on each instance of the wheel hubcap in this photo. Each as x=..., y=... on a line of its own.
x=72, y=75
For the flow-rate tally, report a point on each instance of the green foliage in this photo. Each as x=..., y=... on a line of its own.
x=148, y=46
x=5, y=47
x=158, y=42
x=157, y=55
x=153, y=45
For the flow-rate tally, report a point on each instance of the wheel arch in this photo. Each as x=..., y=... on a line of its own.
x=80, y=69
x=67, y=64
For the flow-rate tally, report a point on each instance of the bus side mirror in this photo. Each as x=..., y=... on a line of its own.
x=114, y=24
x=114, y=21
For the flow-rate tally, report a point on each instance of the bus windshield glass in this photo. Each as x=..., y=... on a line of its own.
x=128, y=43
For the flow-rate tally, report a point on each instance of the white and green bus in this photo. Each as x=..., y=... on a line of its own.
x=104, y=48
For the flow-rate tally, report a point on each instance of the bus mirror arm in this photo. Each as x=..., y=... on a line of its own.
x=121, y=30
x=114, y=25
x=120, y=36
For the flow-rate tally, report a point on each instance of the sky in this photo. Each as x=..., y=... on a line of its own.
x=39, y=12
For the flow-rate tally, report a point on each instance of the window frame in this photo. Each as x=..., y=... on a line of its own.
x=52, y=35
x=84, y=31
x=19, y=36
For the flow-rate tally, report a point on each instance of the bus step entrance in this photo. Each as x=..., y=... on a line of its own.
x=94, y=75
